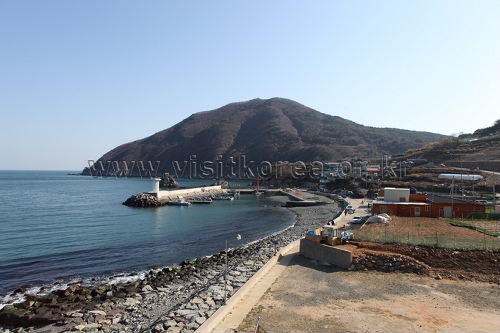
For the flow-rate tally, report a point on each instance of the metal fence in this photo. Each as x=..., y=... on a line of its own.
x=435, y=240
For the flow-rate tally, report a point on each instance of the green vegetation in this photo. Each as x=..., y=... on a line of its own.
x=464, y=224
x=248, y=324
x=483, y=216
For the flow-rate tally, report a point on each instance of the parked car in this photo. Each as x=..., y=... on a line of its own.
x=357, y=220
x=484, y=202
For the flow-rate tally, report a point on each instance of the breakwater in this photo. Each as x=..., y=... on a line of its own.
x=161, y=198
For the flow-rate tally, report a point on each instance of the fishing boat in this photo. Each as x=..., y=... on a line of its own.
x=223, y=197
x=180, y=202
x=201, y=200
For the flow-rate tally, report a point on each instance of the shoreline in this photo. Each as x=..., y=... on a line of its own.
x=166, y=294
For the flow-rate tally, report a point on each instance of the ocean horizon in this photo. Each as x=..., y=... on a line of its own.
x=57, y=229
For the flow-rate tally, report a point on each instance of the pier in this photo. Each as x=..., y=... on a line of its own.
x=158, y=198
x=303, y=199
x=166, y=197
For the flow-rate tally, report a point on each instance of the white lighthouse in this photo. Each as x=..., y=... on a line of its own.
x=156, y=186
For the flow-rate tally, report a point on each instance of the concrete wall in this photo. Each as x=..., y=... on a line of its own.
x=482, y=165
x=395, y=194
x=190, y=192
x=330, y=254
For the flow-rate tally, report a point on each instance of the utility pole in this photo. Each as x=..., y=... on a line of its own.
x=382, y=169
x=494, y=198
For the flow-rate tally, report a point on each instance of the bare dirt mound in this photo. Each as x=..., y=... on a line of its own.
x=481, y=266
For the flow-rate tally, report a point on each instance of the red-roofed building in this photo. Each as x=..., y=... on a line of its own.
x=404, y=202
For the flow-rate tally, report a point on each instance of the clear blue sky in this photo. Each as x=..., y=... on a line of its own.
x=78, y=78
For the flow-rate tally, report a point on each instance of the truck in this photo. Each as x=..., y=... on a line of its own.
x=329, y=235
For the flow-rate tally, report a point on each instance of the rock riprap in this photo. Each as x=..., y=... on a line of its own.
x=143, y=200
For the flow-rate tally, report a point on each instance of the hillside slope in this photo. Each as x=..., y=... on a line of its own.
x=480, y=149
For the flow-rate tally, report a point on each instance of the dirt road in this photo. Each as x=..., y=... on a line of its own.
x=460, y=295
x=311, y=297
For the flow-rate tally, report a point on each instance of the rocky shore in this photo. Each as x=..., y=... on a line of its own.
x=174, y=299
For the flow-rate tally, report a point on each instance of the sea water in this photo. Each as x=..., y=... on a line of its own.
x=56, y=229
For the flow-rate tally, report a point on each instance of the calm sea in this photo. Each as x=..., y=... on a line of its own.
x=55, y=229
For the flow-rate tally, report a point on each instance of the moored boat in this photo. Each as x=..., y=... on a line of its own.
x=180, y=202
x=201, y=200
x=223, y=197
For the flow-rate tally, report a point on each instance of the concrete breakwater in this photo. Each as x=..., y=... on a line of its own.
x=143, y=200
x=158, y=198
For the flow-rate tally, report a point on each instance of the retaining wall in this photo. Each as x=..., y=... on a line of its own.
x=214, y=319
x=332, y=255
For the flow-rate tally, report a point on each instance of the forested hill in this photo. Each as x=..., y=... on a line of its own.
x=271, y=130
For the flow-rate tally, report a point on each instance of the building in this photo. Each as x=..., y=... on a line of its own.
x=407, y=202
x=371, y=171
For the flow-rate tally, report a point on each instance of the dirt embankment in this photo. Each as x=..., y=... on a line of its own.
x=472, y=265
x=481, y=266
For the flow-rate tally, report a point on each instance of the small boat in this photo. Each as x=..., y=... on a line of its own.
x=201, y=200
x=223, y=197
x=233, y=194
x=180, y=202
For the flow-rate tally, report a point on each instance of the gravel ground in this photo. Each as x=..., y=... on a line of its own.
x=312, y=297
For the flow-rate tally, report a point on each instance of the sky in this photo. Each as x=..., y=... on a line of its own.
x=78, y=78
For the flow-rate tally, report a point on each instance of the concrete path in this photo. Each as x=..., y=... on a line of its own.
x=235, y=316
x=239, y=312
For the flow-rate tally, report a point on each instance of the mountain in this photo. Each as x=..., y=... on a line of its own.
x=270, y=130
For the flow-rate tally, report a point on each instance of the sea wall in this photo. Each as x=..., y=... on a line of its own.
x=219, y=315
x=182, y=296
x=161, y=198
x=188, y=193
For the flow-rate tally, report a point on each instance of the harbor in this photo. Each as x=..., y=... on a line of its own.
x=158, y=197
x=206, y=194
